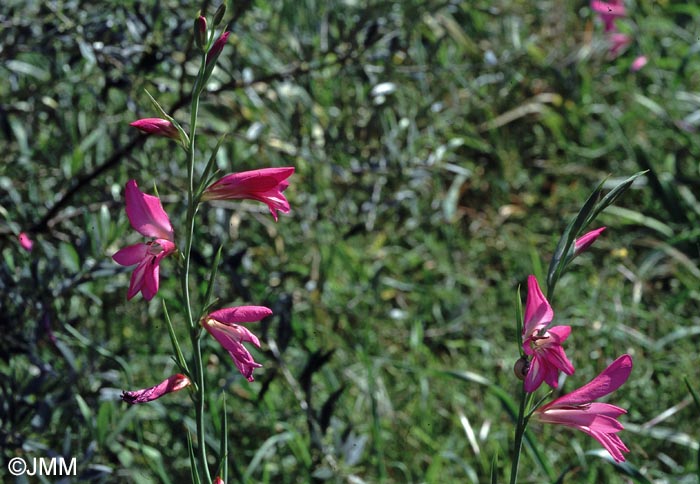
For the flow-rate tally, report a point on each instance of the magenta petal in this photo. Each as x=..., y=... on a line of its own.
x=607, y=382
x=535, y=376
x=26, y=242
x=146, y=213
x=240, y=314
x=137, y=279
x=265, y=185
x=172, y=384
x=133, y=254
x=231, y=337
x=586, y=240
x=151, y=279
x=538, y=312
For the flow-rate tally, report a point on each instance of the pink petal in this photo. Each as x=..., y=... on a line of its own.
x=240, y=314
x=133, y=254
x=265, y=185
x=586, y=240
x=538, y=312
x=136, y=283
x=231, y=337
x=146, y=213
x=638, y=63
x=535, y=375
x=172, y=384
x=607, y=382
x=217, y=47
x=156, y=126
x=25, y=241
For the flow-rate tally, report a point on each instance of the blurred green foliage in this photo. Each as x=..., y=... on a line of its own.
x=441, y=148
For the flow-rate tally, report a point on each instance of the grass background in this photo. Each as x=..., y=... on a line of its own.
x=440, y=149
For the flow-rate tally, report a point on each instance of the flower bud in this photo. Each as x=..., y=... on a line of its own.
x=218, y=46
x=200, y=31
x=157, y=126
x=219, y=15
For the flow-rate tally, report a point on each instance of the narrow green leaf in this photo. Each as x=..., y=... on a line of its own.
x=556, y=266
x=193, y=461
x=179, y=357
x=184, y=139
x=519, y=324
x=223, y=443
x=693, y=393
x=494, y=468
x=206, y=178
x=612, y=196
x=210, y=284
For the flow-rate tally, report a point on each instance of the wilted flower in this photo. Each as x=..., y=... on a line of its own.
x=224, y=326
x=148, y=218
x=157, y=126
x=24, y=240
x=544, y=345
x=265, y=185
x=172, y=384
x=599, y=420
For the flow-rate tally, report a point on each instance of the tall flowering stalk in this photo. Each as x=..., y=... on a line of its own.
x=147, y=216
x=542, y=355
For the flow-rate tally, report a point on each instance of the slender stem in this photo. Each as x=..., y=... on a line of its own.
x=519, y=433
x=195, y=331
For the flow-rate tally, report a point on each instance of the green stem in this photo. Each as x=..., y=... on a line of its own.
x=519, y=433
x=195, y=331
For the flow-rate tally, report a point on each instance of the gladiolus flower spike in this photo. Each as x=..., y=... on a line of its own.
x=542, y=343
x=224, y=326
x=171, y=384
x=599, y=420
x=148, y=218
x=265, y=185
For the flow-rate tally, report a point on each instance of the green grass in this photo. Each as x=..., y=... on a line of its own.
x=415, y=216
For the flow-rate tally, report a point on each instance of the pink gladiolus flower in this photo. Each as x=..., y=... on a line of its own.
x=586, y=240
x=608, y=12
x=217, y=47
x=172, y=384
x=24, y=240
x=544, y=345
x=265, y=185
x=224, y=326
x=148, y=218
x=599, y=420
x=157, y=126
x=638, y=63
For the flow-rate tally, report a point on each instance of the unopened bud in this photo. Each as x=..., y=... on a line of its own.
x=200, y=31
x=586, y=240
x=219, y=15
x=157, y=126
x=218, y=46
